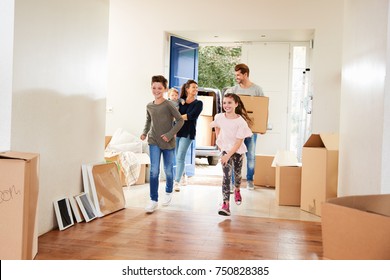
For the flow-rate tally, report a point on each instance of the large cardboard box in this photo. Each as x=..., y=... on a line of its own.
x=356, y=227
x=257, y=108
x=19, y=186
x=204, y=133
x=143, y=158
x=208, y=105
x=319, y=171
x=288, y=185
x=264, y=172
x=144, y=161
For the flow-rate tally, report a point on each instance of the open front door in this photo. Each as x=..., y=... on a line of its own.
x=183, y=62
x=184, y=67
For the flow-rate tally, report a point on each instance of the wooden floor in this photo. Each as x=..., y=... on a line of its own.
x=131, y=234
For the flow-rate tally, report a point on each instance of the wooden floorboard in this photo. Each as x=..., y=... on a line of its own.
x=131, y=234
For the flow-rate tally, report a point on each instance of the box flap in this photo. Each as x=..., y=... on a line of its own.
x=329, y=141
x=378, y=204
x=18, y=155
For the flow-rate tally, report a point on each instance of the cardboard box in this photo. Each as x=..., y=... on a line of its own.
x=319, y=171
x=257, y=108
x=356, y=227
x=288, y=185
x=208, y=105
x=19, y=186
x=144, y=160
x=264, y=172
x=204, y=133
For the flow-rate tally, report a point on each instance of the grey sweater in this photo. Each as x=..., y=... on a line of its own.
x=159, y=121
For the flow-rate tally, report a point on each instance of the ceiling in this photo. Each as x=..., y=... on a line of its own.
x=241, y=36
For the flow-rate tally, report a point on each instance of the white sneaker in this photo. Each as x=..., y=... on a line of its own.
x=151, y=206
x=250, y=185
x=167, y=199
x=176, y=186
x=184, y=180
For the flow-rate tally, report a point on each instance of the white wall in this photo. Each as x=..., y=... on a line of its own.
x=6, y=50
x=59, y=88
x=137, y=47
x=364, y=131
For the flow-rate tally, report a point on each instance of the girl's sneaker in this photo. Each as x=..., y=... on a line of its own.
x=224, y=211
x=237, y=196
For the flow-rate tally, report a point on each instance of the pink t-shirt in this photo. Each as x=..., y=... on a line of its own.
x=230, y=131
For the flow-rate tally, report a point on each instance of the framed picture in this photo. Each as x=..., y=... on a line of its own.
x=76, y=210
x=106, y=188
x=63, y=213
x=86, y=206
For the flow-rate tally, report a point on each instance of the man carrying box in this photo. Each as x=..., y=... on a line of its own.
x=246, y=87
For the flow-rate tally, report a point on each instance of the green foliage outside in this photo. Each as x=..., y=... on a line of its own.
x=216, y=66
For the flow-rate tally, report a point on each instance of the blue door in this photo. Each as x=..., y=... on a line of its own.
x=184, y=67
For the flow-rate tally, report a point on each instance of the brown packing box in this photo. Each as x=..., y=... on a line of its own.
x=19, y=186
x=319, y=171
x=142, y=174
x=257, y=108
x=288, y=185
x=204, y=133
x=356, y=227
x=264, y=172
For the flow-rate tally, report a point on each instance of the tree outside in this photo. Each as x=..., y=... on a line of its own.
x=216, y=66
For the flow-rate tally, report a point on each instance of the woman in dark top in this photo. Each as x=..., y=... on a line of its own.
x=190, y=112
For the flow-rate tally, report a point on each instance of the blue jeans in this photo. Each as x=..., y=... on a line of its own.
x=182, y=145
x=250, y=143
x=155, y=157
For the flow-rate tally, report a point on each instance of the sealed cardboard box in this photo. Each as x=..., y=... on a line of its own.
x=257, y=108
x=264, y=172
x=19, y=186
x=319, y=171
x=356, y=227
x=288, y=185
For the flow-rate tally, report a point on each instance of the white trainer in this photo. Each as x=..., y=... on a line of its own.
x=184, y=180
x=167, y=199
x=151, y=206
x=176, y=186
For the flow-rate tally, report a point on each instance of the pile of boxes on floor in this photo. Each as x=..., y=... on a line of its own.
x=103, y=193
x=353, y=227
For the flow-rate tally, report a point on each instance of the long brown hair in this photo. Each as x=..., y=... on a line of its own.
x=240, y=109
x=183, y=91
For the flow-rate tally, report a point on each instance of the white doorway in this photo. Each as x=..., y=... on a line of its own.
x=281, y=69
x=269, y=65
